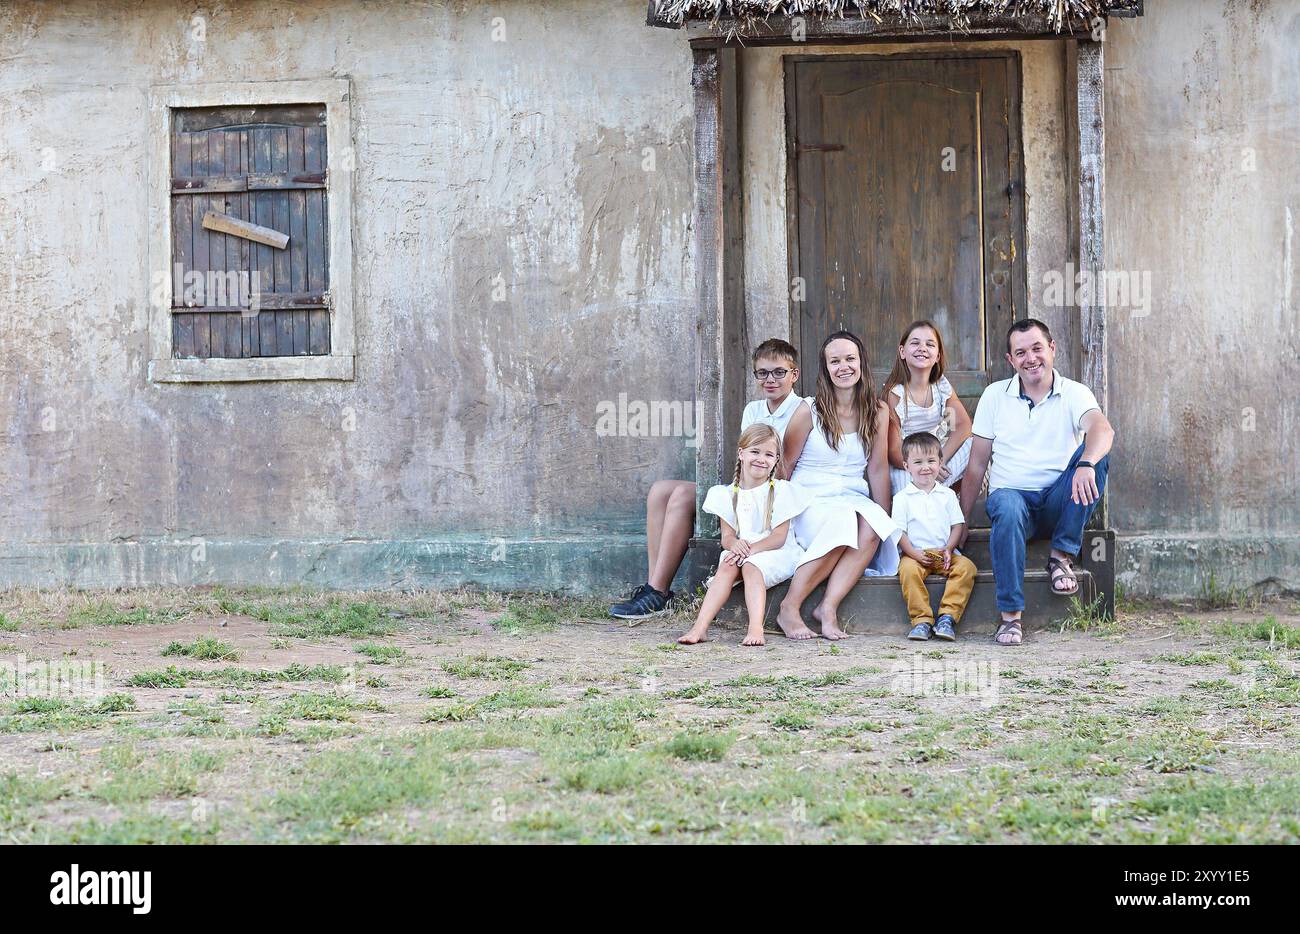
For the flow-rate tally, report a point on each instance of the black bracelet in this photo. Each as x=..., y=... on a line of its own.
x=1086, y=464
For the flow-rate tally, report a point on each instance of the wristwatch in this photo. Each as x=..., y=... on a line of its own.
x=1086, y=464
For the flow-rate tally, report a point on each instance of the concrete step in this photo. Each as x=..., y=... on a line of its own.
x=977, y=549
x=876, y=605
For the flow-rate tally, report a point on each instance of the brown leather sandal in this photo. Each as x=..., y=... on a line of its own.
x=1012, y=628
x=1059, y=571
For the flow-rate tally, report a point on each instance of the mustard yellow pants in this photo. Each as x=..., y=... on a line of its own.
x=956, y=593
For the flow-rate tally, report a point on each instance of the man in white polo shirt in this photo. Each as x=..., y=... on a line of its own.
x=1050, y=443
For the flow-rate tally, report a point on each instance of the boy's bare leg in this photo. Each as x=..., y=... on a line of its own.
x=755, y=603
x=675, y=526
x=719, y=590
x=656, y=507
x=843, y=578
x=805, y=580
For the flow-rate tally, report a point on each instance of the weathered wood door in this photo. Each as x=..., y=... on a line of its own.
x=906, y=201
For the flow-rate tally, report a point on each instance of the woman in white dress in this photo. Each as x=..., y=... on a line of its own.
x=829, y=446
x=921, y=399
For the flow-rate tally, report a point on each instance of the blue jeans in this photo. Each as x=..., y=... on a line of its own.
x=1019, y=516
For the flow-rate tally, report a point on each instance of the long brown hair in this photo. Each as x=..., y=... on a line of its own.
x=899, y=375
x=865, y=400
x=756, y=434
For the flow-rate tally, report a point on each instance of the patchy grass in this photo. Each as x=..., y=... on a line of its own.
x=204, y=649
x=381, y=654
x=173, y=677
x=485, y=667
x=518, y=720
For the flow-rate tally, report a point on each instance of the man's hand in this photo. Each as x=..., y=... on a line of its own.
x=947, y=559
x=1083, y=487
x=944, y=473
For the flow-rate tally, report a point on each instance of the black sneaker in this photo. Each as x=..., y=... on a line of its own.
x=645, y=602
x=624, y=604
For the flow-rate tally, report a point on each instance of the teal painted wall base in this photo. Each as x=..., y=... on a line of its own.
x=598, y=564
x=1165, y=566
x=1191, y=566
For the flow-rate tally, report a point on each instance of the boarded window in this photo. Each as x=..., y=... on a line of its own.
x=233, y=296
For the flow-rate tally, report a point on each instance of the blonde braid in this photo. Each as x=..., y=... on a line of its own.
x=735, y=494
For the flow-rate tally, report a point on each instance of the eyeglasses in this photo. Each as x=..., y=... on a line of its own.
x=763, y=375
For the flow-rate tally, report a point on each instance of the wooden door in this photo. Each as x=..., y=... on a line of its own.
x=906, y=202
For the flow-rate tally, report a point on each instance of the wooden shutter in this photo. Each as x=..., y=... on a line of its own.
x=268, y=166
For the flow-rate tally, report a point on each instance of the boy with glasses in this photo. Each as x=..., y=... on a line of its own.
x=670, y=506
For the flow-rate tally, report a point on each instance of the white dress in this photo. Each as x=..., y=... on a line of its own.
x=788, y=501
x=916, y=418
x=836, y=481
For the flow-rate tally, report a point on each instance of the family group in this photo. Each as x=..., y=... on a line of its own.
x=856, y=481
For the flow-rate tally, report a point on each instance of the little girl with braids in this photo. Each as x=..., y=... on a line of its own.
x=758, y=546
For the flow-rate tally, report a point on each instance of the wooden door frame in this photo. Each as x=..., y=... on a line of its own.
x=721, y=376
x=1015, y=155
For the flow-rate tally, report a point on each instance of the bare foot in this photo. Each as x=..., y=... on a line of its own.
x=830, y=625
x=793, y=626
x=754, y=637
x=696, y=633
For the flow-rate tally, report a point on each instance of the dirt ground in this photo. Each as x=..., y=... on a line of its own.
x=295, y=716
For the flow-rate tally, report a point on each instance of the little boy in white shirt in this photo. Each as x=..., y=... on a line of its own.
x=932, y=524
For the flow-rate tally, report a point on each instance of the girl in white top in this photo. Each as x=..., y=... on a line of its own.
x=921, y=399
x=758, y=545
x=830, y=445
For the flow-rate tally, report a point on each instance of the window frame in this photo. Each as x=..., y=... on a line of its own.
x=339, y=363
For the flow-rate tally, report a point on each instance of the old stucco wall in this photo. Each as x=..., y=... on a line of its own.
x=474, y=454
x=1203, y=162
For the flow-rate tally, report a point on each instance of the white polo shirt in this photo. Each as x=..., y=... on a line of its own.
x=1032, y=444
x=757, y=411
x=927, y=518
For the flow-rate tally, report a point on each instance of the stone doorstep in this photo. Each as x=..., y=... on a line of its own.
x=876, y=605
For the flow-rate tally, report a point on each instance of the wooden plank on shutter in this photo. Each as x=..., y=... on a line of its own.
x=234, y=165
x=316, y=246
x=268, y=181
x=232, y=225
x=298, y=234
x=188, y=184
x=267, y=301
x=280, y=203
x=199, y=119
x=260, y=142
x=199, y=166
x=288, y=180
x=250, y=338
x=216, y=241
x=182, y=248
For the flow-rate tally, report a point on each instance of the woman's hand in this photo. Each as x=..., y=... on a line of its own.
x=742, y=548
